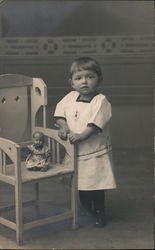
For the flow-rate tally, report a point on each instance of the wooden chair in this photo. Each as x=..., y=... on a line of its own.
x=21, y=98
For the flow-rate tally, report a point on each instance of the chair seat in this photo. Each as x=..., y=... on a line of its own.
x=29, y=176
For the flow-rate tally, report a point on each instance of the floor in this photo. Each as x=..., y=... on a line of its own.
x=129, y=210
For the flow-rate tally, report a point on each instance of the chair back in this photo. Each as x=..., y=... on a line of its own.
x=21, y=98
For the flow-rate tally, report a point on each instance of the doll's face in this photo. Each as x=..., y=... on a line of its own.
x=85, y=82
x=38, y=140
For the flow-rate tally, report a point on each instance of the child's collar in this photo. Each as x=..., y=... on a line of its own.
x=80, y=99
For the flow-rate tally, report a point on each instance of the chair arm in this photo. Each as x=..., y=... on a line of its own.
x=10, y=148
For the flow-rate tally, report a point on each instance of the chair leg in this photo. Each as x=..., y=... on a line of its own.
x=19, y=216
x=37, y=197
x=74, y=203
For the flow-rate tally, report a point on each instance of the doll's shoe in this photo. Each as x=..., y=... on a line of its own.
x=34, y=169
x=44, y=169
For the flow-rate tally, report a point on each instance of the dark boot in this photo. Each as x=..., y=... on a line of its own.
x=99, y=208
x=100, y=218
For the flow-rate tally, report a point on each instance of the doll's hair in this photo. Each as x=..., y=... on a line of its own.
x=85, y=63
x=40, y=135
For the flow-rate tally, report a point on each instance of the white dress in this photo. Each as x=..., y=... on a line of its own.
x=95, y=168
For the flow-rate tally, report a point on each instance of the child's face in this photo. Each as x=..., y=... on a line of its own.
x=37, y=140
x=85, y=82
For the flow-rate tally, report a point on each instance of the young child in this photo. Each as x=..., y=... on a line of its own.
x=84, y=115
x=39, y=155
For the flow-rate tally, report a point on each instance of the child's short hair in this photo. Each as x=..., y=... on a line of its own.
x=40, y=134
x=85, y=63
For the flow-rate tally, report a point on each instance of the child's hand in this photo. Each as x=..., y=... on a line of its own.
x=62, y=134
x=74, y=138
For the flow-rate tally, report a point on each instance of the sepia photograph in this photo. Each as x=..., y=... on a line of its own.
x=77, y=124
